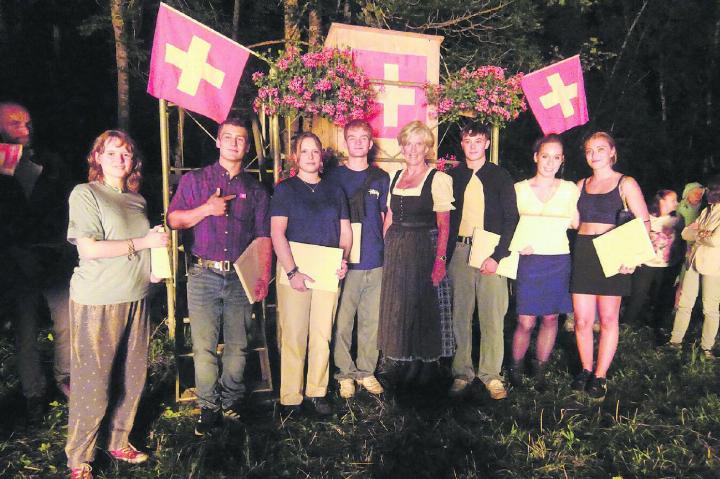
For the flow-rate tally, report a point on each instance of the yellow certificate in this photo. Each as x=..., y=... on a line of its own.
x=627, y=245
x=483, y=245
x=319, y=262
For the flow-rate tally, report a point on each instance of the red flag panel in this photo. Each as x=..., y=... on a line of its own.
x=193, y=66
x=556, y=95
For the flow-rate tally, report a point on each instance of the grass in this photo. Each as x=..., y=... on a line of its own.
x=661, y=419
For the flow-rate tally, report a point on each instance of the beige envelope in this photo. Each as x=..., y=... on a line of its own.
x=249, y=270
x=484, y=243
x=627, y=245
x=160, y=263
x=356, y=239
x=319, y=262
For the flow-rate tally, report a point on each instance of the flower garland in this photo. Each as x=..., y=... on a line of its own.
x=483, y=93
x=325, y=83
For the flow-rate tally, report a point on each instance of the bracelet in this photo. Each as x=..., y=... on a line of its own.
x=131, y=250
x=646, y=221
x=292, y=272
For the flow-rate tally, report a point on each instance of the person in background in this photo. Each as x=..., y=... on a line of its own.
x=484, y=198
x=543, y=277
x=42, y=261
x=688, y=209
x=225, y=209
x=602, y=196
x=307, y=209
x=653, y=282
x=366, y=188
x=108, y=306
x=416, y=235
x=703, y=272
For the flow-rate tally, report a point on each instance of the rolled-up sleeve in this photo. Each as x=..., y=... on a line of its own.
x=442, y=193
x=183, y=199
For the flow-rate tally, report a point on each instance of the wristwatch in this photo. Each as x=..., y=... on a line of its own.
x=292, y=272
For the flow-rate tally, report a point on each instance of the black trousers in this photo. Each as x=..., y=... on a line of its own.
x=653, y=295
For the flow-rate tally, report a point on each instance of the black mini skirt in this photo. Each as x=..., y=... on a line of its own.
x=587, y=274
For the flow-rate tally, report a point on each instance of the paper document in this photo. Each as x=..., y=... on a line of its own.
x=627, y=245
x=483, y=245
x=249, y=269
x=356, y=240
x=319, y=262
x=160, y=263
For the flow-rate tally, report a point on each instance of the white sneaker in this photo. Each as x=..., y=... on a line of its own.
x=458, y=386
x=496, y=389
x=371, y=384
x=347, y=388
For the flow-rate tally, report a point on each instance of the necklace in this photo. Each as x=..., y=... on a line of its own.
x=308, y=185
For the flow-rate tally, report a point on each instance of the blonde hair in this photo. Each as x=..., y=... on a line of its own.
x=95, y=173
x=605, y=136
x=416, y=128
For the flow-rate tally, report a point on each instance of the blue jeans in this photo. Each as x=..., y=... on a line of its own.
x=217, y=302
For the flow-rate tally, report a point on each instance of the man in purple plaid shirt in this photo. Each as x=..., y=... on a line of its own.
x=225, y=209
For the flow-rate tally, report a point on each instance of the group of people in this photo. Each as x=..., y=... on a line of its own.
x=410, y=295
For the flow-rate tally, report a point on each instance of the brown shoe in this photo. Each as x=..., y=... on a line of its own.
x=347, y=388
x=496, y=389
x=371, y=384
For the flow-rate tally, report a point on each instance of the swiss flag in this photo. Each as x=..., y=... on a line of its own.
x=556, y=95
x=193, y=66
x=401, y=104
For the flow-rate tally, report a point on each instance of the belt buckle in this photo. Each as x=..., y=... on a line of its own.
x=224, y=266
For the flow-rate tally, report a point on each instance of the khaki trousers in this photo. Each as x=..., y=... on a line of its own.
x=710, y=300
x=305, y=327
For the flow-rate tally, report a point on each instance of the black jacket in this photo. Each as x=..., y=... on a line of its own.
x=501, y=213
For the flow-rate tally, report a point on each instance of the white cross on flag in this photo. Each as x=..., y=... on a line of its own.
x=556, y=95
x=193, y=66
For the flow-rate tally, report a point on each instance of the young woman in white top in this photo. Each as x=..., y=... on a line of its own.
x=543, y=278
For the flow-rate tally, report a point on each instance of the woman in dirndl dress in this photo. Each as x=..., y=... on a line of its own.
x=412, y=333
x=543, y=277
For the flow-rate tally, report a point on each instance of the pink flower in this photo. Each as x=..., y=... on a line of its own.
x=323, y=85
x=328, y=109
x=257, y=76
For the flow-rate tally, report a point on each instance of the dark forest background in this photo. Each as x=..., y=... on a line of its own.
x=651, y=68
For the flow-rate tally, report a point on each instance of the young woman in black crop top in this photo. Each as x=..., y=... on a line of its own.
x=600, y=200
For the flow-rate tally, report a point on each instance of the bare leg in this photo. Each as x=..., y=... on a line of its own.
x=546, y=337
x=609, y=308
x=585, y=306
x=521, y=338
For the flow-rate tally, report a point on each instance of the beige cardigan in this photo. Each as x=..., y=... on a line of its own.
x=705, y=252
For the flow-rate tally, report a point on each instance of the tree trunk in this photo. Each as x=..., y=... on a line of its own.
x=117, y=15
x=314, y=25
x=292, y=29
x=236, y=20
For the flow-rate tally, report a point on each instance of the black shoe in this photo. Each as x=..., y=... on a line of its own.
x=287, y=410
x=671, y=347
x=320, y=406
x=516, y=371
x=232, y=413
x=35, y=411
x=207, y=421
x=597, y=387
x=538, y=372
x=581, y=380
